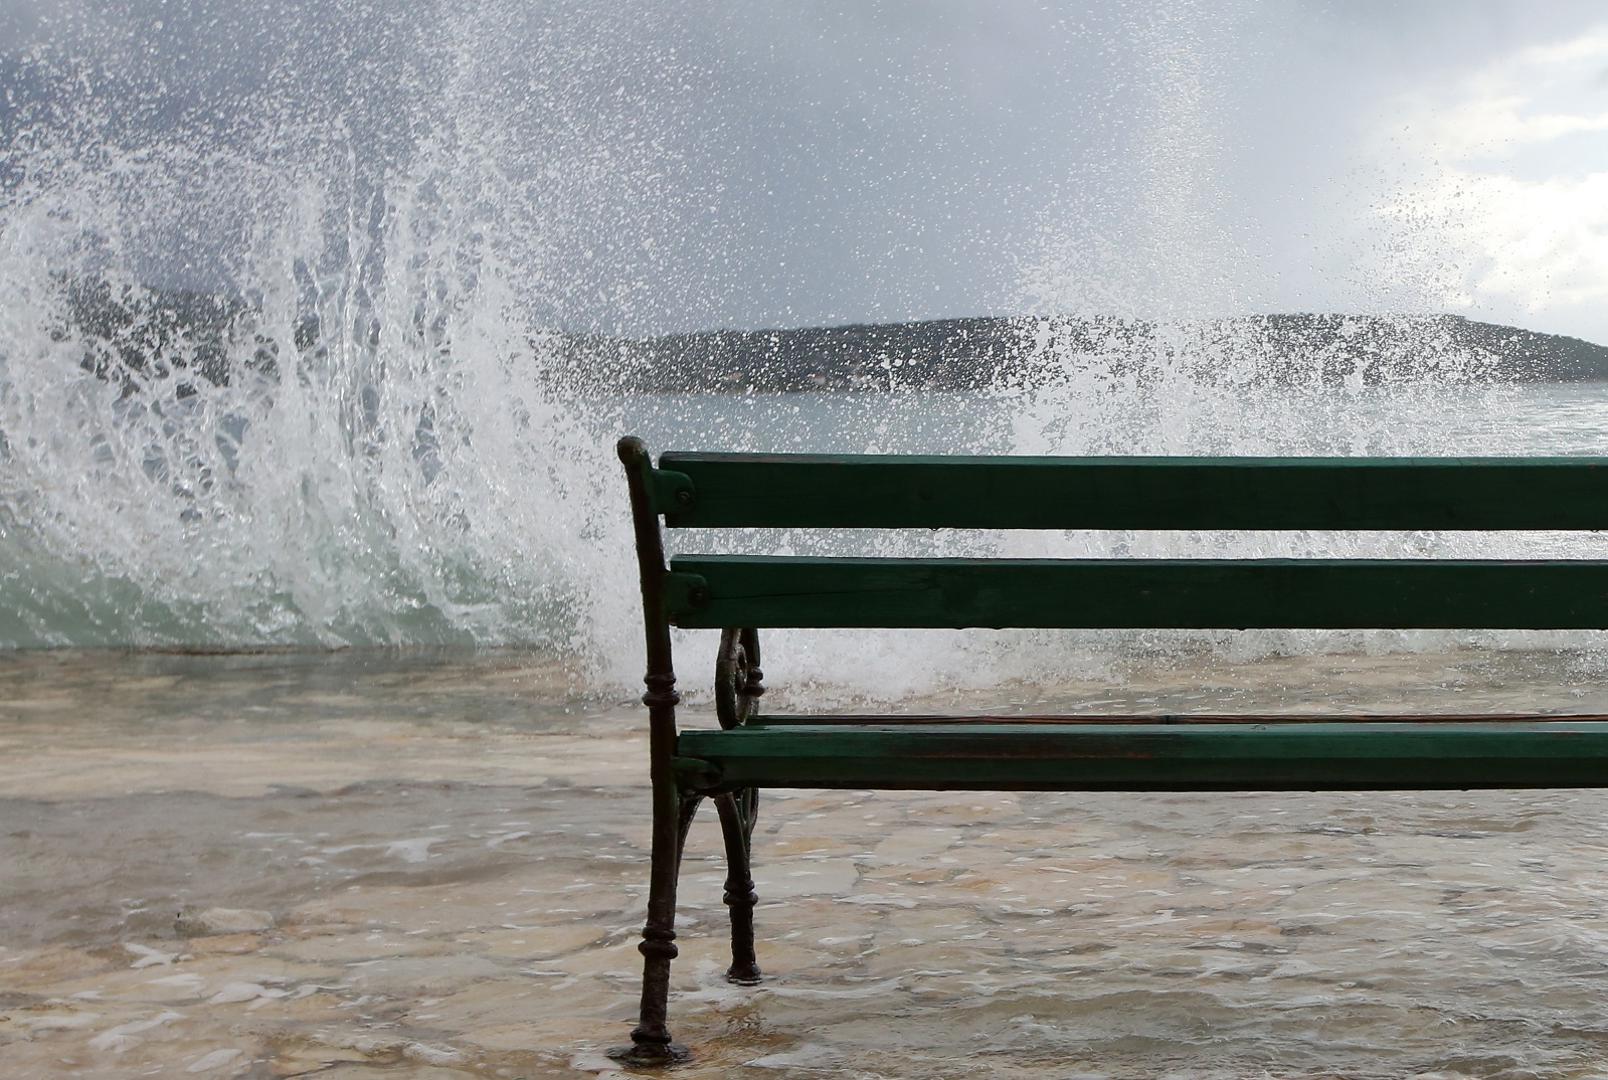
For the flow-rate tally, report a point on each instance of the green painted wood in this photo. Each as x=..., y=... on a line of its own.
x=1160, y=719
x=884, y=491
x=774, y=591
x=1126, y=757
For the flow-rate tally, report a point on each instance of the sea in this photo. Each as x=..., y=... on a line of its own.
x=473, y=507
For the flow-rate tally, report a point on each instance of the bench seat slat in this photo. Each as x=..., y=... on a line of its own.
x=1160, y=719
x=775, y=591
x=1156, y=757
x=894, y=491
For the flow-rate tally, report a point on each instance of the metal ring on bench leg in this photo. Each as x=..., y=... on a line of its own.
x=738, y=686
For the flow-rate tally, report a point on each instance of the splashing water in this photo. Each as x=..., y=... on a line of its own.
x=344, y=416
x=369, y=449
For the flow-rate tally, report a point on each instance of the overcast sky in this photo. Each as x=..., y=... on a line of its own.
x=660, y=165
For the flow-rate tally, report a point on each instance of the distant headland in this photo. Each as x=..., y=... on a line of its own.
x=973, y=353
x=188, y=334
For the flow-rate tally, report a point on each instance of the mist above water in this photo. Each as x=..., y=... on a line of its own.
x=400, y=210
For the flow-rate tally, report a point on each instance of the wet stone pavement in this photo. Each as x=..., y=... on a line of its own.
x=434, y=866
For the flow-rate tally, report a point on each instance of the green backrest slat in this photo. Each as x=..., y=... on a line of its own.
x=884, y=491
x=777, y=591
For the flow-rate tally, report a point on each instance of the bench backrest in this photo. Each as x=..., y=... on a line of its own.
x=1157, y=493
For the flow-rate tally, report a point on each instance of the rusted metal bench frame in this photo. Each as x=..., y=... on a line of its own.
x=741, y=594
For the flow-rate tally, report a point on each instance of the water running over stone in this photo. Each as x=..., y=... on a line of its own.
x=432, y=865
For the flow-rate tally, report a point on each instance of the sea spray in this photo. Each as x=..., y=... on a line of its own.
x=379, y=455
x=286, y=367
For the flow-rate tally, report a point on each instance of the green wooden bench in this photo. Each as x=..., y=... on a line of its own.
x=742, y=594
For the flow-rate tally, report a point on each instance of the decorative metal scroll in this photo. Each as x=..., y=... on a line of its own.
x=738, y=678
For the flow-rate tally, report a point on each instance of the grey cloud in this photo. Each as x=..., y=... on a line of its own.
x=716, y=162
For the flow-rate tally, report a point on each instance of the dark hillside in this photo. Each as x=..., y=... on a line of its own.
x=186, y=334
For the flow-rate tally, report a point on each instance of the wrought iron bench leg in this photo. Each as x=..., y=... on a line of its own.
x=650, y=1039
x=673, y=809
x=738, y=810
